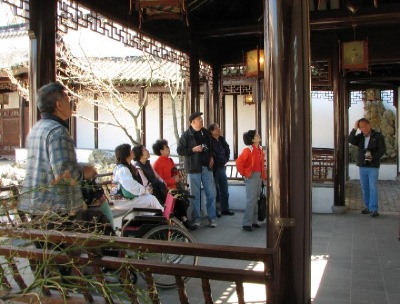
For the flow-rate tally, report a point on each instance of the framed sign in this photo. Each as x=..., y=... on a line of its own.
x=355, y=55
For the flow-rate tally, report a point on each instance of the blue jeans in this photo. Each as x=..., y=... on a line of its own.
x=369, y=187
x=221, y=184
x=195, y=181
x=253, y=189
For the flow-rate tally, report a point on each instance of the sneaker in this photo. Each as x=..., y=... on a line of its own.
x=213, y=223
x=218, y=214
x=365, y=211
x=228, y=212
x=247, y=228
x=189, y=226
x=196, y=223
x=374, y=214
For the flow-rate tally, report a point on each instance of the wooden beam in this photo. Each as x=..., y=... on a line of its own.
x=340, y=19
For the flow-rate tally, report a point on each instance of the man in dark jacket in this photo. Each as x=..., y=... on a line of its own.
x=195, y=145
x=222, y=154
x=371, y=147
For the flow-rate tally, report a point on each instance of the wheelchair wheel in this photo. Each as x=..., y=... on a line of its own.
x=176, y=222
x=170, y=234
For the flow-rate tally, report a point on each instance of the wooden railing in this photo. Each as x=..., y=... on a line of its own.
x=8, y=201
x=86, y=242
x=323, y=165
x=89, y=241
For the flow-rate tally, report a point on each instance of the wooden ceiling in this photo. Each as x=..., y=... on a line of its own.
x=221, y=31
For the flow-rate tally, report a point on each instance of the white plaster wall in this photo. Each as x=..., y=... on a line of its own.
x=109, y=136
x=168, y=130
x=13, y=101
x=153, y=121
x=386, y=172
x=85, y=129
x=322, y=123
x=322, y=199
x=246, y=121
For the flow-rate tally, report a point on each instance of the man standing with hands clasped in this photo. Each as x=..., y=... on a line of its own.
x=53, y=175
x=195, y=145
x=371, y=147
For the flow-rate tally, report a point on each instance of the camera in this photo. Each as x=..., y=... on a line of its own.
x=205, y=147
x=367, y=158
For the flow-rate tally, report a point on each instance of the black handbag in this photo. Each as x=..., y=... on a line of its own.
x=262, y=205
x=91, y=192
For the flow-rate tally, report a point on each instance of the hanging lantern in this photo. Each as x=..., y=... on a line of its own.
x=255, y=63
x=248, y=99
x=353, y=5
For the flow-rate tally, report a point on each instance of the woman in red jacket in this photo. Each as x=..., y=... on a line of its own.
x=165, y=168
x=251, y=165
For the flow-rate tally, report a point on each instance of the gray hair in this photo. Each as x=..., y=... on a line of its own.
x=48, y=95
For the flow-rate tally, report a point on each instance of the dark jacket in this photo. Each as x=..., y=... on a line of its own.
x=193, y=160
x=221, y=151
x=376, y=146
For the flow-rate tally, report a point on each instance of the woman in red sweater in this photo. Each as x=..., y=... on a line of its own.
x=164, y=165
x=165, y=168
x=251, y=165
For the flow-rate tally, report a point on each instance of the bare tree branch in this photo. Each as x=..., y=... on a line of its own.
x=108, y=93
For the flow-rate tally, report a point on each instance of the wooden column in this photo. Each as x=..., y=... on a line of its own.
x=21, y=122
x=287, y=87
x=235, y=126
x=142, y=116
x=161, y=114
x=258, y=106
x=208, y=111
x=194, y=79
x=339, y=110
x=217, y=88
x=42, y=34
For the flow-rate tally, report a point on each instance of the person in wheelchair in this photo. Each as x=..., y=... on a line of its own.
x=147, y=173
x=166, y=169
x=129, y=183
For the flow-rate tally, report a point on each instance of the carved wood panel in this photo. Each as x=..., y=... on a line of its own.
x=9, y=131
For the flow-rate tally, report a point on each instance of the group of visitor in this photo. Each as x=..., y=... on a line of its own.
x=53, y=168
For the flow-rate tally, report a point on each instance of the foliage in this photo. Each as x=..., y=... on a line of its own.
x=60, y=270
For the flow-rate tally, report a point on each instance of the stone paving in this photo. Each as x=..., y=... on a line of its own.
x=389, y=195
x=355, y=258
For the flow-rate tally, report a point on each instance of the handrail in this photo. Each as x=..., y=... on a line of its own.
x=90, y=241
x=95, y=241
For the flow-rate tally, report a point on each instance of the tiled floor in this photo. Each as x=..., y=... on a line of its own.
x=360, y=256
x=355, y=258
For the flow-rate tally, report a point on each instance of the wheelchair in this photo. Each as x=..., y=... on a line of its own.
x=137, y=222
x=155, y=224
